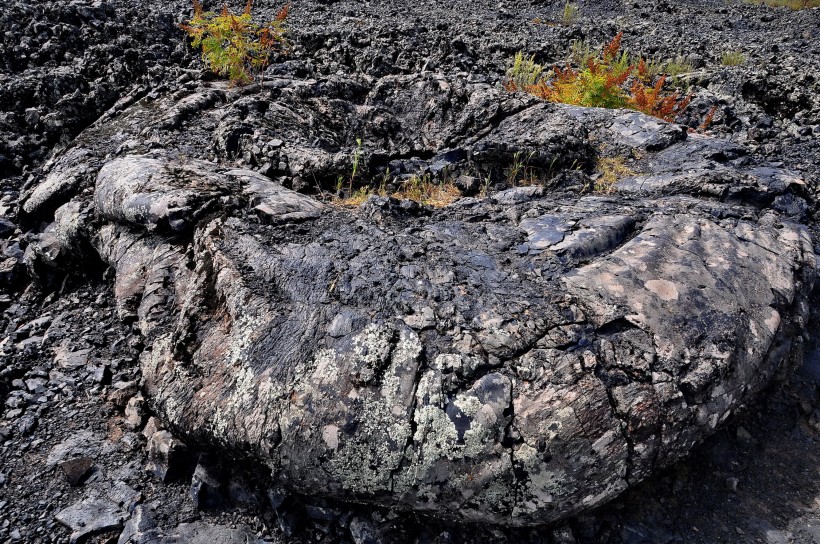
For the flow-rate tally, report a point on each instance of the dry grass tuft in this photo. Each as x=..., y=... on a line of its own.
x=733, y=58
x=610, y=170
x=422, y=189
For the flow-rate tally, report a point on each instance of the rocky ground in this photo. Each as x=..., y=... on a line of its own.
x=76, y=432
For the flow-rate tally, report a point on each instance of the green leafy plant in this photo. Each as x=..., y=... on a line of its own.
x=677, y=66
x=733, y=58
x=581, y=52
x=570, y=13
x=233, y=46
x=525, y=71
x=608, y=80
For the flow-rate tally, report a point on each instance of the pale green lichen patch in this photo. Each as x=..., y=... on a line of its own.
x=371, y=382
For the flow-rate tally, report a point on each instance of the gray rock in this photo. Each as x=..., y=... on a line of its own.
x=7, y=228
x=10, y=270
x=166, y=456
x=204, y=533
x=91, y=516
x=153, y=425
x=135, y=412
x=64, y=357
x=123, y=495
x=122, y=392
x=141, y=529
x=362, y=531
x=79, y=444
x=59, y=184
x=159, y=196
x=563, y=535
x=206, y=487
x=26, y=424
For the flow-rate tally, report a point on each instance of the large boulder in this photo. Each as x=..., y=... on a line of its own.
x=514, y=359
x=515, y=363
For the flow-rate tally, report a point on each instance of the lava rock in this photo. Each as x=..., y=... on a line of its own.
x=206, y=487
x=123, y=392
x=167, y=456
x=90, y=516
x=490, y=363
x=362, y=531
x=7, y=228
x=135, y=412
x=76, y=469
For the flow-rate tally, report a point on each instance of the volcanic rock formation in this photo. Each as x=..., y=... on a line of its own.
x=514, y=358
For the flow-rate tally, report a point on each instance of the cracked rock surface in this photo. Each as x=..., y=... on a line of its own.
x=517, y=359
x=201, y=340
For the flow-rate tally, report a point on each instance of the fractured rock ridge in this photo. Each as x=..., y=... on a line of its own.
x=514, y=359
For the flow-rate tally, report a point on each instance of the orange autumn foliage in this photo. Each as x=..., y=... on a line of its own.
x=609, y=81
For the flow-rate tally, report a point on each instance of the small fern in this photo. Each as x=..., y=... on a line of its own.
x=233, y=46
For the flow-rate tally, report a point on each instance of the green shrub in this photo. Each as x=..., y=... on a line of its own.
x=606, y=80
x=570, y=14
x=581, y=52
x=525, y=71
x=677, y=66
x=233, y=46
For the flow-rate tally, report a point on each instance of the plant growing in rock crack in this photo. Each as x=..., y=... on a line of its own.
x=707, y=121
x=520, y=172
x=423, y=189
x=732, y=58
x=570, y=13
x=581, y=52
x=610, y=170
x=357, y=156
x=524, y=72
x=233, y=46
x=608, y=80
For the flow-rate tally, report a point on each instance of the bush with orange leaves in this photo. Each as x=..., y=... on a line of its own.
x=233, y=46
x=609, y=81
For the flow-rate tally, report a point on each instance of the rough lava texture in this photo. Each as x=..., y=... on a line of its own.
x=515, y=359
x=200, y=342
